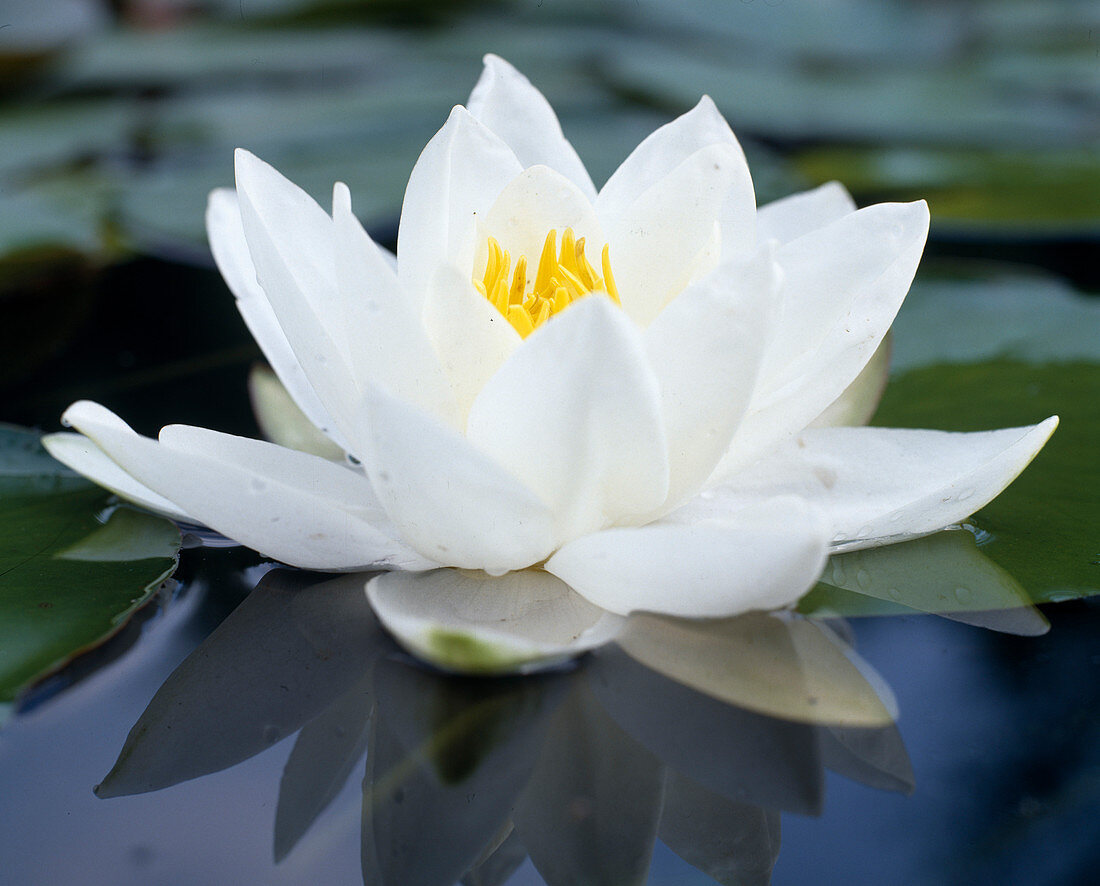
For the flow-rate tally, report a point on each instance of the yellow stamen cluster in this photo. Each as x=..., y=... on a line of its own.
x=562, y=277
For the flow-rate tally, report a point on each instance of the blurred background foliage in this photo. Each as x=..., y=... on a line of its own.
x=118, y=116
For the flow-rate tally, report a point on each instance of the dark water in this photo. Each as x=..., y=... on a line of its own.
x=399, y=774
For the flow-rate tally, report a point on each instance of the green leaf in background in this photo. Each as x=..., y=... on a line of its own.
x=70, y=576
x=1048, y=191
x=1039, y=358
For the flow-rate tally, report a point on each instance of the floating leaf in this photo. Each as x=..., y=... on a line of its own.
x=1050, y=190
x=1042, y=529
x=1040, y=350
x=69, y=579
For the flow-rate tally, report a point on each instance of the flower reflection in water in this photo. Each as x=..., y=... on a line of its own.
x=699, y=734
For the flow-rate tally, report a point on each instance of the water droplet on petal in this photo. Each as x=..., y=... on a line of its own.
x=894, y=593
x=271, y=734
x=863, y=578
x=962, y=595
x=965, y=494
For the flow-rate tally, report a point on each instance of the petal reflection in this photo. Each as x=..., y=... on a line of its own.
x=735, y=843
x=498, y=865
x=745, y=756
x=589, y=812
x=874, y=757
x=280, y=658
x=774, y=664
x=327, y=750
x=944, y=574
x=447, y=759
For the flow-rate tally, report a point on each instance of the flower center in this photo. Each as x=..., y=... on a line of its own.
x=562, y=277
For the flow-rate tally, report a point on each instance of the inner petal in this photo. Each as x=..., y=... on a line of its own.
x=528, y=298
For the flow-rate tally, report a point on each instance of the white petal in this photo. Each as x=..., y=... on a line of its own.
x=705, y=349
x=761, y=557
x=389, y=345
x=661, y=152
x=230, y=249
x=506, y=102
x=846, y=280
x=575, y=414
x=667, y=235
x=458, y=176
x=881, y=485
x=470, y=622
x=471, y=337
x=290, y=239
x=857, y=404
x=842, y=287
x=534, y=203
x=448, y=500
x=84, y=457
x=288, y=505
x=281, y=421
x=791, y=217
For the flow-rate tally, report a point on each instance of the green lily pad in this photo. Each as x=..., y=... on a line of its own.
x=1042, y=529
x=72, y=569
x=954, y=104
x=1053, y=190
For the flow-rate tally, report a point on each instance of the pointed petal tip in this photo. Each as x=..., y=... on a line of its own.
x=242, y=157
x=341, y=198
x=492, y=60
x=84, y=411
x=249, y=170
x=920, y=214
x=458, y=113
x=1041, y=433
x=707, y=103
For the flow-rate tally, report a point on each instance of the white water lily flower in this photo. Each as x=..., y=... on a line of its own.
x=618, y=387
